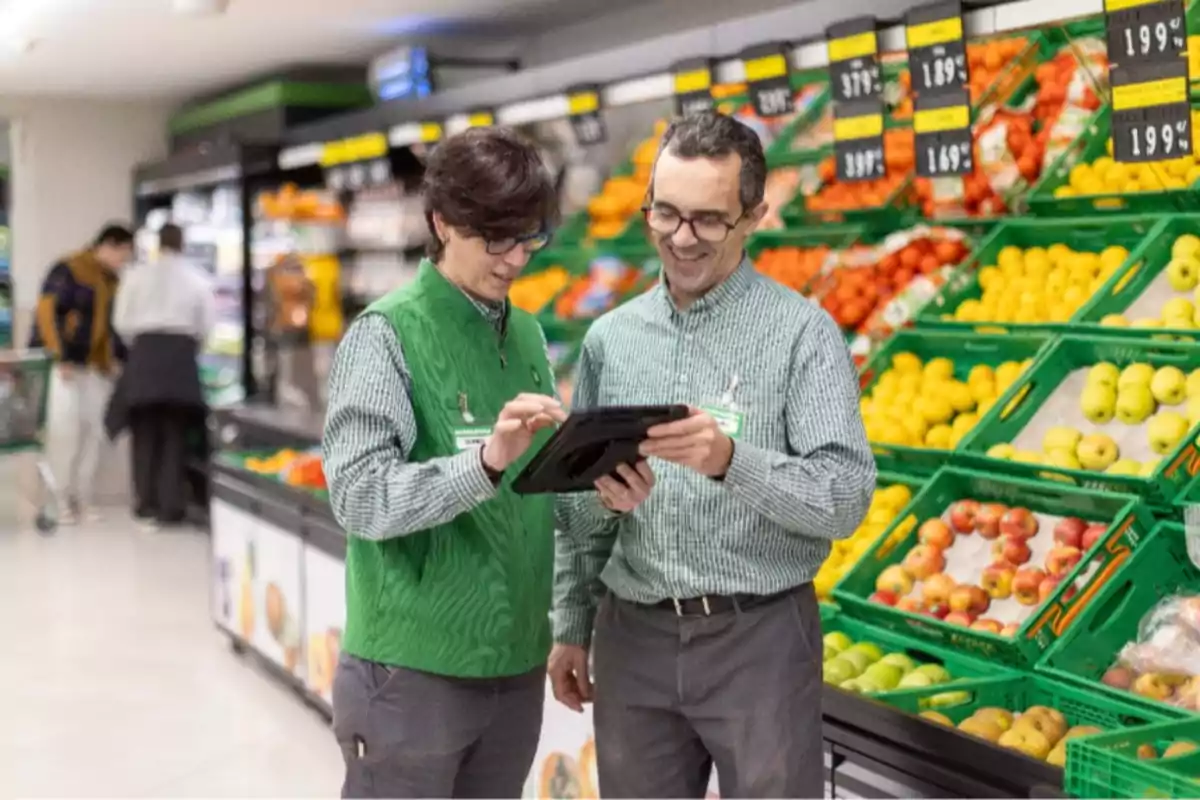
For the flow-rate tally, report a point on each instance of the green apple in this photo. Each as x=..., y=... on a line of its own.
x=1135, y=404
x=1061, y=438
x=1124, y=466
x=839, y=670
x=853, y=686
x=1166, y=430
x=1186, y=246
x=1004, y=452
x=1099, y=403
x=1063, y=458
x=1104, y=374
x=1097, y=452
x=1169, y=386
x=915, y=680
x=838, y=641
x=870, y=650
x=1183, y=274
x=868, y=685
x=1114, y=321
x=899, y=660
x=828, y=653
x=935, y=672
x=1149, y=468
x=1135, y=375
x=885, y=676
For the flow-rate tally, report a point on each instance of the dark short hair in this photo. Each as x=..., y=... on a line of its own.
x=708, y=134
x=490, y=182
x=170, y=237
x=115, y=235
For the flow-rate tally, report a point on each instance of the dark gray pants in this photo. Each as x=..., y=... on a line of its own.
x=677, y=695
x=405, y=733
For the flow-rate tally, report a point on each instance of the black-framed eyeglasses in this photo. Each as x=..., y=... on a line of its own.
x=667, y=221
x=531, y=242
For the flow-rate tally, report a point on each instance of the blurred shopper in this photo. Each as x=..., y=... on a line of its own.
x=707, y=643
x=437, y=396
x=74, y=324
x=165, y=310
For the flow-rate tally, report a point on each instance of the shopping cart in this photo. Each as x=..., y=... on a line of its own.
x=24, y=390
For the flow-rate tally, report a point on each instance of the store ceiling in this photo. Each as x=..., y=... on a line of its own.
x=140, y=48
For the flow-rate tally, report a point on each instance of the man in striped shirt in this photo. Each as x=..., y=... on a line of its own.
x=706, y=645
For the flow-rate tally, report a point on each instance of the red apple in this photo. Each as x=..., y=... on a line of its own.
x=894, y=579
x=1019, y=523
x=1069, y=531
x=924, y=560
x=910, y=604
x=970, y=599
x=960, y=618
x=997, y=580
x=1026, y=585
x=884, y=598
x=1011, y=549
x=1047, y=587
x=937, y=588
x=939, y=611
x=936, y=533
x=1094, y=533
x=1062, y=559
x=1010, y=630
x=962, y=516
x=987, y=520
x=987, y=626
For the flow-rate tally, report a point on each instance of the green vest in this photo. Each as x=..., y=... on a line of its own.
x=470, y=598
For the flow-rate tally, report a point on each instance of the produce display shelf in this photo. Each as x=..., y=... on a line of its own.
x=780, y=153
x=966, y=351
x=1082, y=234
x=1129, y=522
x=1005, y=422
x=1158, y=570
x=831, y=237
x=1110, y=765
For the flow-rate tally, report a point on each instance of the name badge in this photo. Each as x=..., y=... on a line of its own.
x=466, y=438
x=729, y=422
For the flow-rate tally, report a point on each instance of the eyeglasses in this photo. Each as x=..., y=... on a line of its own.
x=667, y=221
x=531, y=242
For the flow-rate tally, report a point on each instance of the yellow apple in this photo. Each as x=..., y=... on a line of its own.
x=1114, y=321
x=1169, y=386
x=1135, y=403
x=1061, y=438
x=1097, y=452
x=1166, y=430
x=1106, y=374
x=1098, y=403
x=1183, y=274
x=1135, y=375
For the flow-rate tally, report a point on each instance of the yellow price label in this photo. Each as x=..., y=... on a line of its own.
x=766, y=68
x=695, y=80
x=1121, y=5
x=431, y=132
x=359, y=148
x=1147, y=94
x=863, y=127
x=856, y=46
x=929, y=34
x=941, y=119
x=480, y=119
x=583, y=103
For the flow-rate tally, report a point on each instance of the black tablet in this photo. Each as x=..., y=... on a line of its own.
x=590, y=445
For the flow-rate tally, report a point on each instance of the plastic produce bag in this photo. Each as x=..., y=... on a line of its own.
x=1168, y=641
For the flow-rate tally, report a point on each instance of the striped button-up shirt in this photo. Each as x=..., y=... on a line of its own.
x=774, y=369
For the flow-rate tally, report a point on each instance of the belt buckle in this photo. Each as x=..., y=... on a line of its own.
x=703, y=602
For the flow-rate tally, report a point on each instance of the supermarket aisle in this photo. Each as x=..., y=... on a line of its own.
x=115, y=683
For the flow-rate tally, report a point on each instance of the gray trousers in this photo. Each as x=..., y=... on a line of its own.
x=406, y=734
x=677, y=695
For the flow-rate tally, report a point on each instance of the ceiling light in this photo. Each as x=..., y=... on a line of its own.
x=199, y=8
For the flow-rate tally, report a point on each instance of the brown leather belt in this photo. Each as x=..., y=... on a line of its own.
x=709, y=604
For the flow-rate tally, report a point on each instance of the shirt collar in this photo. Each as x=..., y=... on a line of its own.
x=495, y=313
x=723, y=293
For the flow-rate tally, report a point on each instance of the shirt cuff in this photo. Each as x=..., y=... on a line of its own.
x=574, y=626
x=470, y=479
x=750, y=466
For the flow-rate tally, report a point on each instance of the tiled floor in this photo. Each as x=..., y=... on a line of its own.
x=115, y=683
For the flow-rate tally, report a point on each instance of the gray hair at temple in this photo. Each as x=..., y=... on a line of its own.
x=709, y=134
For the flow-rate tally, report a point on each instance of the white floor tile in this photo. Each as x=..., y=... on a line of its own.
x=114, y=682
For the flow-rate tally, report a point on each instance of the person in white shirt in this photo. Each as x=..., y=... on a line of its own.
x=164, y=311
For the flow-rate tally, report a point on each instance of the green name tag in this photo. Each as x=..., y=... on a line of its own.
x=466, y=438
x=730, y=422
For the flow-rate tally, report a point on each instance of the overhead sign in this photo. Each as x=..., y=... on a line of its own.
x=937, y=53
x=583, y=110
x=942, y=130
x=858, y=140
x=854, y=59
x=1145, y=31
x=358, y=162
x=1151, y=116
x=768, y=76
x=693, y=80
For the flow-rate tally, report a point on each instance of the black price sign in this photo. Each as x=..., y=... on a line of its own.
x=858, y=141
x=768, y=75
x=583, y=108
x=353, y=164
x=937, y=55
x=854, y=59
x=942, y=128
x=1145, y=31
x=693, y=86
x=1151, y=117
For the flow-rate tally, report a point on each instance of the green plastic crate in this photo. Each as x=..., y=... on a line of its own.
x=1004, y=422
x=1131, y=522
x=1159, y=569
x=1108, y=765
x=836, y=237
x=780, y=153
x=1131, y=284
x=1083, y=235
x=967, y=351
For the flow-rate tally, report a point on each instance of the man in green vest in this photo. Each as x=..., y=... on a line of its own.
x=439, y=395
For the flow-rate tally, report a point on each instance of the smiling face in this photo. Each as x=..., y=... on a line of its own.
x=699, y=254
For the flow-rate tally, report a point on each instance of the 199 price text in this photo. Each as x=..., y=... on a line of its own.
x=1153, y=141
x=1151, y=33
x=860, y=160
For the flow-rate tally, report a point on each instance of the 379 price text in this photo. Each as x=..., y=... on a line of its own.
x=857, y=80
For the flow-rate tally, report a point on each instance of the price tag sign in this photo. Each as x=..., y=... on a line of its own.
x=583, y=108
x=942, y=128
x=431, y=132
x=937, y=55
x=481, y=118
x=768, y=75
x=359, y=148
x=352, y=164
x=854, y=59
x=1145, y=31
x=858, y=141
x=1151, y=117
x=693, y=86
